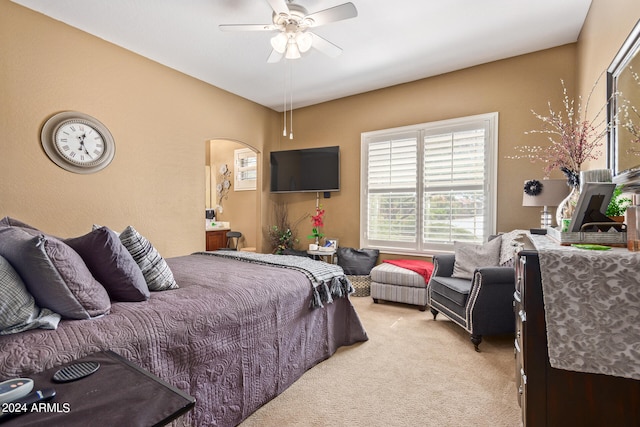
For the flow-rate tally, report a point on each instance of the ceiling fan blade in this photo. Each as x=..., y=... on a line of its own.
x=247, y=27
x=279, y=6
x=333, y=14
x=274, y=57
x=325, y=46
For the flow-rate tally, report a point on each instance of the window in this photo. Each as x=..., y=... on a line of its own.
x=246, y=164
x=426, y=186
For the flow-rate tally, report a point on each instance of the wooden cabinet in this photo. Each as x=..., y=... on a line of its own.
x=556, y=397
x=216, y=239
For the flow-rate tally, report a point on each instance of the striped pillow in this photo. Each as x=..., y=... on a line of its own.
x=154, y=268
x=18, y=310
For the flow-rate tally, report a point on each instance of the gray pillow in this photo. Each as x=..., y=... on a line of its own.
x=154, y=268
x=470, y=256
x=18, y=310
x=54, y=274
x=7, y=221
x=111, y=264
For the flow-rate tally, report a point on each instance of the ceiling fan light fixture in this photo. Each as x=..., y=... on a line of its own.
x=304, y=41
x=279, y=42
x=293, y=51
x=292, y=21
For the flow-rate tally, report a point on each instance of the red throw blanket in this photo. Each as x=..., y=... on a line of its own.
x=423, y=268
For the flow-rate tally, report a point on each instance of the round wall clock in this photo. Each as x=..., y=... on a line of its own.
x=77, y=142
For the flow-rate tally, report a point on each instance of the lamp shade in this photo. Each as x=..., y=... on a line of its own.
x=552, y=193
x=293, y=52
x=279, y=42
x=304, y=41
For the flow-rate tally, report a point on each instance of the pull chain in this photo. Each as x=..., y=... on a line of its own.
x=291, y=103
x=288, y=86
x=284, y=130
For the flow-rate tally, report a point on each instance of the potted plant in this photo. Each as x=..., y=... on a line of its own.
x=317, y=222
x=618, y=205
x=282, y=235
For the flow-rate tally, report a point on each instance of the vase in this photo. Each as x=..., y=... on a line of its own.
x=568, y=205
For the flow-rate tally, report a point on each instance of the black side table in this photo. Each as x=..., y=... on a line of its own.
x=120, y=393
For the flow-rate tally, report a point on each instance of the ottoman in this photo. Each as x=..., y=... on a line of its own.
x=392, y=283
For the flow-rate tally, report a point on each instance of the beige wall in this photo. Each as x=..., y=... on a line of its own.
x=607, y=26
x=161, y=118
x=511, y=87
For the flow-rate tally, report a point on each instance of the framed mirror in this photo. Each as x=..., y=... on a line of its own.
x=623, y=88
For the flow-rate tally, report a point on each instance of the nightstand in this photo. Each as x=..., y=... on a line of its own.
x=119, y=393
x=326, y=256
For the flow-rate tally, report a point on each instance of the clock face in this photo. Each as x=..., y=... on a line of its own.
x=77, y=142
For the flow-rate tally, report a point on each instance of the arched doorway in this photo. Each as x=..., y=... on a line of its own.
x=231, y=166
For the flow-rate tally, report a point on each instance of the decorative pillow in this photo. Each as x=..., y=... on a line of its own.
x=7, y=221
x=12, y=222
x=54, y=274
x=96, y=226
x=357, y=262
x=470, y=256
x=111, y=264
x=154, y=268
x=18, y=310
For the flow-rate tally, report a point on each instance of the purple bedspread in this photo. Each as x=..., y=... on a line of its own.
x=234, y=336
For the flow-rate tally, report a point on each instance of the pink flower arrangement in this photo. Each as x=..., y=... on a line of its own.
x=574, y=139
x=316, y=221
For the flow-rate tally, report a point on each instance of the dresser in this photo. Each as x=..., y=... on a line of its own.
x=550, y=396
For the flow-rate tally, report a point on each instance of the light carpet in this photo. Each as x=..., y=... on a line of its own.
x=413, y=371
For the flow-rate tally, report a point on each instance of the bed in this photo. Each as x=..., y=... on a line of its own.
x=234, y=335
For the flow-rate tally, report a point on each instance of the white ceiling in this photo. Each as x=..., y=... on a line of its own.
x=390, y=42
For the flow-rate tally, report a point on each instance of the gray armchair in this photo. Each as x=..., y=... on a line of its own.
x=482, y=306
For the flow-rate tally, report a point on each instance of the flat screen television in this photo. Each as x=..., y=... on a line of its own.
x=305, y=170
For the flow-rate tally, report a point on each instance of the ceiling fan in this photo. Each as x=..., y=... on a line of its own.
x=292, y=22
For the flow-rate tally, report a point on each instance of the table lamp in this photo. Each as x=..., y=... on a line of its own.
x=545, y=193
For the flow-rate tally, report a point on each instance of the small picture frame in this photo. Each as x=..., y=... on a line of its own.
x=333, y=243
x=592, y=204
